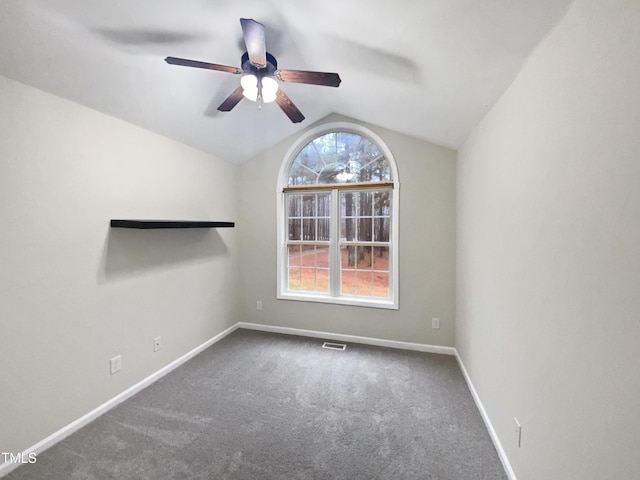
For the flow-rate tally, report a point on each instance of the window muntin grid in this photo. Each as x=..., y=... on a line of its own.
x=361, y=248
x=316, y=167
x=365, y=222
x=308, y=236
x=324, y=158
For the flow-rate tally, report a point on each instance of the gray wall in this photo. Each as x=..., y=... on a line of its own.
x=74, y=292
x=427, y=248
x=548, y=264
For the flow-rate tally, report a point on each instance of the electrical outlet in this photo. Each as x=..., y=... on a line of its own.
x=116, y=364
x=259, y=305
x=435, y=323
x=518, y=431
x=157, y=343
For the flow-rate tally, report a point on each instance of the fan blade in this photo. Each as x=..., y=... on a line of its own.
x=232, y=100
x=312, y=78
x=194, y=63
x=253, y=33
x=288, y=107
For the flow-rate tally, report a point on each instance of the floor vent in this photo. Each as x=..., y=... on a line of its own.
x=334, y=346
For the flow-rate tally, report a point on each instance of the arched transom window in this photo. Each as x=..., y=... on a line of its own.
x=338, y=158
x=338, y=217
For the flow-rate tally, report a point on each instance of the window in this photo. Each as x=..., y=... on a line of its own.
x=338, y=204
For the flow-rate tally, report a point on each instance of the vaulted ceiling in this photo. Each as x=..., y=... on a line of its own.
x=427, y=68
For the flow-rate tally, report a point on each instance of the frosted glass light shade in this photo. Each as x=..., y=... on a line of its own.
x=269, y=89
x=250, y=87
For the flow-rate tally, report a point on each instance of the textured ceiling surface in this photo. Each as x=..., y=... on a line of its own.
x=427, y=68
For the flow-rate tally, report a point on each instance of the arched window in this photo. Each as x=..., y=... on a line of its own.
x=338, y=204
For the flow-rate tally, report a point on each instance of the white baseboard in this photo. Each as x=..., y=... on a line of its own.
x=419, y=347
x=76, y=425
x=487, y=421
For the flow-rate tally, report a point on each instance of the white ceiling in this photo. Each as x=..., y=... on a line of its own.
x=428, y=68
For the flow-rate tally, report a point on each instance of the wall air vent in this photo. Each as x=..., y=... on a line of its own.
x=334, y=346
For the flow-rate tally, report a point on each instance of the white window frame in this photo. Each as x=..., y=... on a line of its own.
x=282, y=281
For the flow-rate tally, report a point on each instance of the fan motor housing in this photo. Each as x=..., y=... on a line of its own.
x=248, y=67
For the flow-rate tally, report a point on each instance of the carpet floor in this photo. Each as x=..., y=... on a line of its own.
x=263, y=406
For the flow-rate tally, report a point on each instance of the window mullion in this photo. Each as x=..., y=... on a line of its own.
x=334, y=245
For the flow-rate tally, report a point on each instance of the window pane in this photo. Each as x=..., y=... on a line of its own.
x=295, y=205
x=349, y=204
x=348, y=257
x=294, y=255
x=363, y=258
x=327, y=158
x=357, y=209
x=381, y=229
x=323, y=231
x=308, y=283
x=308, y=205
x=309, y=268
x=322, y=257
x=364, y=229
x=381, y=203
x=349, y=207
x=381, y=285
x=348, y=284
x=376, y=170
x=308, y=229
x=366, y=204
x=326, y=144
x=364, y=283
x=308, y=256
x=295, y=229
x=348, y=142
x=322, y=280
x=381, y=258
x=347, y=230
x=324, y=204
x=381, y=272
x=294, y=278
x=322, y=269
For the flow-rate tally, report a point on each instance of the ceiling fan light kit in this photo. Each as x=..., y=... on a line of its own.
x=255, y=88
x=258, y=83
x=259, y=70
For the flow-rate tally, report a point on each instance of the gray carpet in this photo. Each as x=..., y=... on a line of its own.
x=261, y=406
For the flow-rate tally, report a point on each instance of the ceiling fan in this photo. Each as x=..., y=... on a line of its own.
x=259, y=70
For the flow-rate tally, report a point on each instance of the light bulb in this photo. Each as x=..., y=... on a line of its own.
x=269, y=89
x=250, y=87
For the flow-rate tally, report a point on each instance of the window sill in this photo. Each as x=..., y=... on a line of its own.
x=344, y=300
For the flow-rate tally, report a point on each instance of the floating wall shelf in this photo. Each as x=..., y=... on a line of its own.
x=149, y=224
